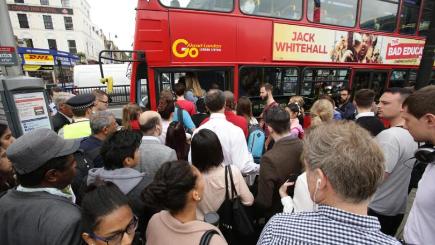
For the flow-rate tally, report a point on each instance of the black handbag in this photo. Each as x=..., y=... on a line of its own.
x=234, y=219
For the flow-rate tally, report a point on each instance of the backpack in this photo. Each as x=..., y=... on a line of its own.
x=181, y=120
x=256, y=140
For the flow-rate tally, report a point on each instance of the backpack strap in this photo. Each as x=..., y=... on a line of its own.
x=206, y=238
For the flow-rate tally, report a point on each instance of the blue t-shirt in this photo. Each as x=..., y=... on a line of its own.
x=187, y=120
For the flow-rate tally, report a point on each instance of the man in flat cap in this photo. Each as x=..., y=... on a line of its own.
x=38, y=212
x=81, y=106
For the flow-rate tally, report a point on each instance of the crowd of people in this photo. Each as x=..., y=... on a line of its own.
x=165, y=176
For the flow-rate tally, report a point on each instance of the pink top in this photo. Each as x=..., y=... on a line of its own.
x=214, y=190
x=296, y=128
x=164, y=229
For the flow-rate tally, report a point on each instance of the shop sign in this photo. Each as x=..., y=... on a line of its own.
x=38, y=59
x=37, y=68
x=8, y=56
x=39, y=9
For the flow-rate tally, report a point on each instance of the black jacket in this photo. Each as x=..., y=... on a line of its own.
x=59, y=121
x=38, y=218
x=371, y=123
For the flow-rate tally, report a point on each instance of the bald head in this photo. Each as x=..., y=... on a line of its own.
x=150, y=123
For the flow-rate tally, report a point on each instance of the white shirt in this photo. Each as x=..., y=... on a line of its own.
x=301, y=201
x=419, y=228
x=233, y=143
x=365, y=114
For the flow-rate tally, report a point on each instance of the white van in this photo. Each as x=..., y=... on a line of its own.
x=89, y=75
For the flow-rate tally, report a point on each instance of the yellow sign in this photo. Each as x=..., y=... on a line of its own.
x=38, y=59
x=300, y=43
x=181, y=48
x=37, y=68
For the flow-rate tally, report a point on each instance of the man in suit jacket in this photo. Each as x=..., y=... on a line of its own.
x=364, y=99
x=152, y=152
x=64, y=113
x=278, y=163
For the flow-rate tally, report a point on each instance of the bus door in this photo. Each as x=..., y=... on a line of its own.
x=370, y=79
x=283, y=79
x=216, y=77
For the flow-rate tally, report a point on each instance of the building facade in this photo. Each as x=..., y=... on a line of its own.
x=63, y=25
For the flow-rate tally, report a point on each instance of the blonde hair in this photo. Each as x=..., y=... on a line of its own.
x=348, y=155
x=297, y=99
x=192, y=83
x=130, y=112
x=321, y=111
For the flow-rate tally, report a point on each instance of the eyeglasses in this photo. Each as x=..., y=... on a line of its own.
x=104, y=102
x=117, y=238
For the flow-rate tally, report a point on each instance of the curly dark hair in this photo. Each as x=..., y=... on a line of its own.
x=170, y=186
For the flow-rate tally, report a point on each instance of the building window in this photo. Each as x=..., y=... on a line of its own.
x=72, y=46
x=68, y=23
x=48, y=22
x=334, y=12
x=409, y=17
x=52, y=44
x=22, y=19
x=28, y=42
x=66, y=3
x=379, y=15
x=19, y=1
x=44, y=2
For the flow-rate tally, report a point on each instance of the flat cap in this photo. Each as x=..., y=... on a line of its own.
x=81, y=101
x=32, y=150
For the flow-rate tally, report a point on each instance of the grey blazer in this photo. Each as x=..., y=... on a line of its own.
x=153, y=154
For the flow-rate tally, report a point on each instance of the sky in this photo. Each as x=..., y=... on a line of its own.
x=115, y=17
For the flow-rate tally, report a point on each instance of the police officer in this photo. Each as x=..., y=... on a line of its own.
x=82, y=110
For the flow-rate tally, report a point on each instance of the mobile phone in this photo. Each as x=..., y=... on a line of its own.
x=291, y=189
x=292, y=178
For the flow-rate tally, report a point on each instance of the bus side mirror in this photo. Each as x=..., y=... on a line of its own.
x=108, y=81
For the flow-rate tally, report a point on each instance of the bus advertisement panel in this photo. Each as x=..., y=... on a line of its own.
x=300, y=43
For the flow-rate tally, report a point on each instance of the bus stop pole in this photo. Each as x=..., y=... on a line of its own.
x=7, y=38
x=427, y=59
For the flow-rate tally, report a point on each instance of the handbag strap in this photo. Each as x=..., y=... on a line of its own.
x=233, y=187
x=206, y=237
x=227, y=196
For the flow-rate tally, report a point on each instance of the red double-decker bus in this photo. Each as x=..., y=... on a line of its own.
x=302, y=47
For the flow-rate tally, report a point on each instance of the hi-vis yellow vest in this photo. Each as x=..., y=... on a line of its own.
x=77, y=130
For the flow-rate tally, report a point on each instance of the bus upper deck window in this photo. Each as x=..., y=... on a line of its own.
x=409, y=16
x=335, y=12
x=211, y=5
x=286, y=9
x=379, y=15
x=426, y=17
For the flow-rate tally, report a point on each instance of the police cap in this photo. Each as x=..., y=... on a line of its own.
x=81, y=101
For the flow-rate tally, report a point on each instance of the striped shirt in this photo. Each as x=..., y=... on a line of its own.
x=326, y=226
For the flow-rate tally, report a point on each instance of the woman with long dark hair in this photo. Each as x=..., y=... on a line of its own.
x=177, y=189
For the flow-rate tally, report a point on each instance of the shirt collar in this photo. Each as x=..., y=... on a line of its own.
x=82, y=119
x=365, y=221
x=67, y=117
x=365, y=114
x=67, y=192
x=150, y=138
x=217, y=115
